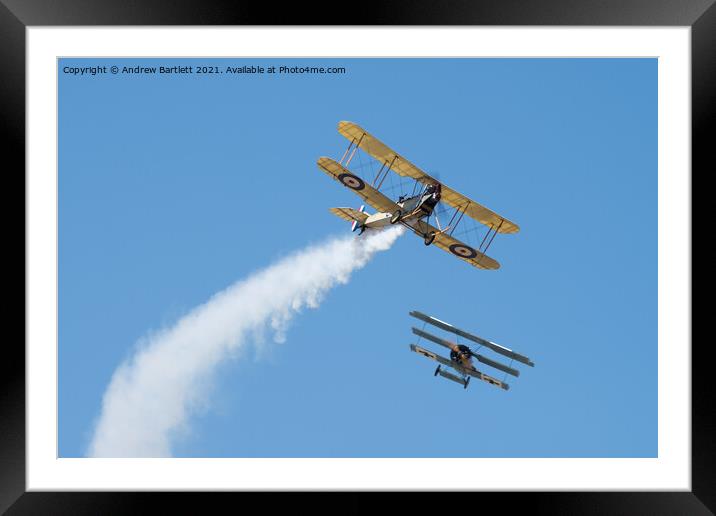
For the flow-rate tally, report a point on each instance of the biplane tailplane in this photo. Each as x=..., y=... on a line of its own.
x=351, y=215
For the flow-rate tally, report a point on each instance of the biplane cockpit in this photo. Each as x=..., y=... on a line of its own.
x=414, y=211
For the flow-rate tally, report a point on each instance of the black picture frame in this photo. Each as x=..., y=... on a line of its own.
x=17, y=15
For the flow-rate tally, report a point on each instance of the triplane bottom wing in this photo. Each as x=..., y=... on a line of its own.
x=463, y=370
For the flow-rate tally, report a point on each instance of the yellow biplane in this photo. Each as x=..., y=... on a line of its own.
x=413, y=212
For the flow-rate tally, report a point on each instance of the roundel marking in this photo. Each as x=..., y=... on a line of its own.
x=463, y=251
x=351, y=181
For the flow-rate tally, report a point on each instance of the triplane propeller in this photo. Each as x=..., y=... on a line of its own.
x=461, y=356
x=414, y=211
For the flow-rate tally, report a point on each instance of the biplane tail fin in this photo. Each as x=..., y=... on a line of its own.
x=355, y=222
x=351, y=215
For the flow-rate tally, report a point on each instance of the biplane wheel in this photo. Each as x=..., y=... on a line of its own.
x=429, y=238
x=397, y=215
x=362, y=229
x=437, y=371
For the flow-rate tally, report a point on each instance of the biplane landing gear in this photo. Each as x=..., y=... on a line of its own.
x=467, y=382
x=429, y=238
x=397, y=215
x=361, y=230
x=437, y=371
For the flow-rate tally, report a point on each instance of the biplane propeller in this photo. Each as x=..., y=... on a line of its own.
x=461, y=356
x=414, y=211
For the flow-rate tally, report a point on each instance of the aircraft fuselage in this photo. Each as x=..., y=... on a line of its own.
x=412, y=209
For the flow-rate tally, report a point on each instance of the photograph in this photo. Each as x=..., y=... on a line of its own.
x=357, y=257
x=429, y=249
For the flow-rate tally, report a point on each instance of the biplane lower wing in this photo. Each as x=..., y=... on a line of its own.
x=349, y=214
x=455, y=247
x=484, y=342
x=487, y=361
x=463, y=370
x=348, y=179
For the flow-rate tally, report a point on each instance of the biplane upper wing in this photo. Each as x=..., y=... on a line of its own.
x=344, y=176
x=457, y=248
x=387, y=156
x=472, y=372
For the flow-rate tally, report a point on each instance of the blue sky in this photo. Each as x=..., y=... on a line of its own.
x=173, y=187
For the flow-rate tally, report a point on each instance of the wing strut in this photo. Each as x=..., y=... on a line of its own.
x=347, y=150
x=354, y=150
x=496, y=230
x=387, y=171
x=462, y=212
x=379, y=172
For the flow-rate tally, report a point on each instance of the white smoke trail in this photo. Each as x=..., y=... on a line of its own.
x=153, y=394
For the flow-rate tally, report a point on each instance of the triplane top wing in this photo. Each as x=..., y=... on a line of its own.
x=384, y=154
x=483, y=342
